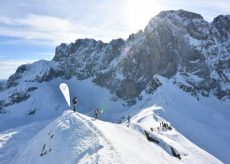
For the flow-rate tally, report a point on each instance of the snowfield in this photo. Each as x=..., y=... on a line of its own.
x=76, y=138
x=12, y=140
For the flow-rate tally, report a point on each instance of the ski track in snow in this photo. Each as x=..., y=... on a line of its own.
x=112, y=151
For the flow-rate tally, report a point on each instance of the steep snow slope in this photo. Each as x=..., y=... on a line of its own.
x=205, y=122
x=75, y=138
x=48, y=102
x=12, y=140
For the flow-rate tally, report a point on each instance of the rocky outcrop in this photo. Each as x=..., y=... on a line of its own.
x=174, y=42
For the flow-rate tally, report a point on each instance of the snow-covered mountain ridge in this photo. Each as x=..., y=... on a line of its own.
x=180, y=62
x=75, y=138
x=173, y=42
x=204, y=122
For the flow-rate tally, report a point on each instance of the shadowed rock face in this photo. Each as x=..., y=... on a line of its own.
x=221, y=24
x=173, y=42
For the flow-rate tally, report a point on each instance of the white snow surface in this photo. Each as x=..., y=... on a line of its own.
x=12, y=140
x=76, y=138
x=38, y=69
x=205, y=123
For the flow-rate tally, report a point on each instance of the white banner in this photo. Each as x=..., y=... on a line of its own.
x=65, y=91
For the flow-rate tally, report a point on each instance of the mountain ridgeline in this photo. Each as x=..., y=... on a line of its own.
x=175, y=44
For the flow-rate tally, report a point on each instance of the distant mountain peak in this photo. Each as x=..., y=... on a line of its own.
x=174, y=41
x=181, y=13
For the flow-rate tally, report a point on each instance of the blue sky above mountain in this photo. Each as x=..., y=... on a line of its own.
x=30, y=30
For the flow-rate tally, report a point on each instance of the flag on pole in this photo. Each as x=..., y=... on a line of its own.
x=65, y=91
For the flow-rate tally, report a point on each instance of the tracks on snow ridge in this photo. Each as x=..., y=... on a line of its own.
x=113, y=152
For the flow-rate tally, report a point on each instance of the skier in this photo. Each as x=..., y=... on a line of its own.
x=96, y=113
x=128, y=118
x=74, y=103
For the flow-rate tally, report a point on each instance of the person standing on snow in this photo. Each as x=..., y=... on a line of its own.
x=74, y=103
x=128, y=118
x=96, y=113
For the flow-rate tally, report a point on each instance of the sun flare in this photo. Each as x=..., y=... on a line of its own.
x=139, y=12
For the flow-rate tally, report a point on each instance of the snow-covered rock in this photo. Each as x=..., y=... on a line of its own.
x=173, y=42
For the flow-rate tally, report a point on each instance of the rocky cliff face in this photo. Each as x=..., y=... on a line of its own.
x=175, y=44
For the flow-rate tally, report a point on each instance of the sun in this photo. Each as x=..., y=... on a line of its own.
x=137, y=13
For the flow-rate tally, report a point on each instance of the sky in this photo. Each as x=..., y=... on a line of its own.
x=31, y=29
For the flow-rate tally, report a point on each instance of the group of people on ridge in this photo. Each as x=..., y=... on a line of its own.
x=163, y=125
